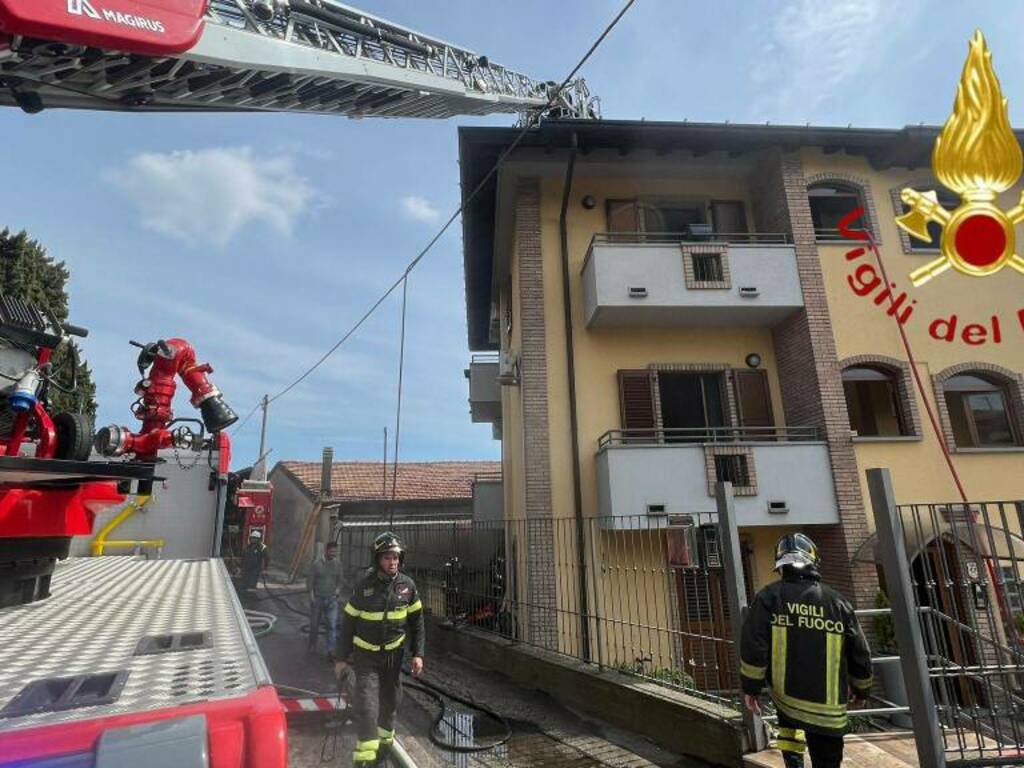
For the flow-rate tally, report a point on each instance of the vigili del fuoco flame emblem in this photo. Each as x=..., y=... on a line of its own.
x=978, y=157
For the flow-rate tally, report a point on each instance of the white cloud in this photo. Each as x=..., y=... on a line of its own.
x=209, y=195
x=818, y=51
x=420, y=209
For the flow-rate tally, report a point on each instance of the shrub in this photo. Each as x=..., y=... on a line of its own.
x=885, y=630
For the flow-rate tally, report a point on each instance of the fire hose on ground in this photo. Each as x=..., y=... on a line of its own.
x=432, y=690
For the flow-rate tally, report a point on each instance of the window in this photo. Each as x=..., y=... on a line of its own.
x=691, y=405
x=947, y=200
x=657, y=216
x=873, y=402
x=979, y=412
x=1013, y=588
x=708, y=268
x=729, y=217
x=732, y=469
x=829, y=204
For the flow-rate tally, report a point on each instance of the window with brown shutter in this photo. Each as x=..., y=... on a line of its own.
x=753, y=398
x=623, y=216
x=636, y=401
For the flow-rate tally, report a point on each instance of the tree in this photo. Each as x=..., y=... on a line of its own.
x=29, y=274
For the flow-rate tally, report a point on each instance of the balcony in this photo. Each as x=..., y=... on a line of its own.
x=682, y=280
x=484, y=390
x=780, y=475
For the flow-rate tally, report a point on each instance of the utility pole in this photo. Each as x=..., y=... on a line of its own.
x=384, y=489
x=262, y=456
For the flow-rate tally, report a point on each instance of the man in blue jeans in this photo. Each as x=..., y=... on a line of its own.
x=324, y=586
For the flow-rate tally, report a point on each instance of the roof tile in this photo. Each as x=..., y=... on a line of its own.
x=417, y=481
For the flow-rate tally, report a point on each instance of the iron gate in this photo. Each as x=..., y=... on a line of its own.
x=963, y=592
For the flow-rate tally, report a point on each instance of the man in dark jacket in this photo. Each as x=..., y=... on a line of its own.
x=384, y=614
x=803, y=639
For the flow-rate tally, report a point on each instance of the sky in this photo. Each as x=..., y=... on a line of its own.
x=262, y=238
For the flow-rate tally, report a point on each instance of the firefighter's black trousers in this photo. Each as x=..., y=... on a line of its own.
x=378, y=691
x=826, y=750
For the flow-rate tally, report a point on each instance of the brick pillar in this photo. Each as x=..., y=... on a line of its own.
x=809, y=373
x=541, y=595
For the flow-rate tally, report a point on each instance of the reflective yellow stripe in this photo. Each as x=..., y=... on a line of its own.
x=833, y=654
x=749, y=670
x=779, y=659
x=785, y=745
x=386, y=737
x=862, y=684
x=793, y=734
x=372, y=615
x=360, y=643
x=836, y=723
x=831, y=710
x=399, y=614
x=351, y=610
x=415, y=606
x=366, y=751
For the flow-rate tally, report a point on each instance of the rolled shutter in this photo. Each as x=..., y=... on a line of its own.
x=636, y=399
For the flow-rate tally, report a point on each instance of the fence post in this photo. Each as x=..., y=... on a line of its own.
x=736, y=593
x=893, y=555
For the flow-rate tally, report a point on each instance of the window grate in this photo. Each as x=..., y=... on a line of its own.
x=707, y=268
x=732, y=469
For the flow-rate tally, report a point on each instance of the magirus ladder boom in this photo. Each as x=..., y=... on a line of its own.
x=316, y=56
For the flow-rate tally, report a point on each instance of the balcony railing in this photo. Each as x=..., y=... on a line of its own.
x=707, y=435
x=662, y=238
x=482, y=358
x=834, y=235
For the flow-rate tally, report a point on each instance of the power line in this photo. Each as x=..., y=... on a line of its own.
x=398, y=408
x=235, y=429
x=528, y=124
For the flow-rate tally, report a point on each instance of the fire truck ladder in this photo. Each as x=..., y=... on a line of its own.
x=281, y=56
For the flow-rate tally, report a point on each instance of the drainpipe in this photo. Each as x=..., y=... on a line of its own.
x=577, y=499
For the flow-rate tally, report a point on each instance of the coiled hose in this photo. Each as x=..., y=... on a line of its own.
x=260, y=622
x=441, y=696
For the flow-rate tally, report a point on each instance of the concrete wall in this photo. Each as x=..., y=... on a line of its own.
x=673, y=720
x=182, y=512
x=488, y=500
x=630, y=477
x=291, y=509
x=612, y=269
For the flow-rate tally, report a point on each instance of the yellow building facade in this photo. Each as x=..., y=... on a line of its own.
x=672, y=305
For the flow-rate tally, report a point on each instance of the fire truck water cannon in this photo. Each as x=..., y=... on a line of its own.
x=160, y=363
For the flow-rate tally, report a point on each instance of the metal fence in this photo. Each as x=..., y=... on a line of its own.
x=645, y=595
x=955, y=576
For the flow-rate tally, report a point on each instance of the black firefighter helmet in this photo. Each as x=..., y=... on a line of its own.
x=388, y=542
x=796, y=550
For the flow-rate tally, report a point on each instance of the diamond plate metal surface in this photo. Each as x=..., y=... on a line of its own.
x=100, y=608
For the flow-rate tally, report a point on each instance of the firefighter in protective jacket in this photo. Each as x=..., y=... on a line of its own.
x=383, y=615
x=802, y=639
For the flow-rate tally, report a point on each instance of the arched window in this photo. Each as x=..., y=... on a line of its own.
x=980, y=412
x=947, y=200
x=873, y=402
x=830, y=202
